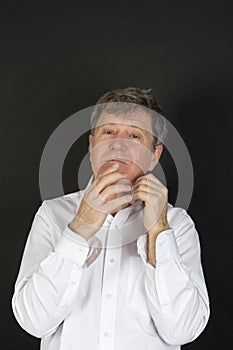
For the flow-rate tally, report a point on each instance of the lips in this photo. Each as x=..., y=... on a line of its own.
x=117, y=160
x=123, y=164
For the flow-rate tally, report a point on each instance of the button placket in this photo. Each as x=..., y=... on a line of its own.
x=109, y=297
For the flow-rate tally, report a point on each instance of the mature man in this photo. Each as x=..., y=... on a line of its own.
x=115, y=266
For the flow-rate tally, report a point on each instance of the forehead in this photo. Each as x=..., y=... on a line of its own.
x=138, y=118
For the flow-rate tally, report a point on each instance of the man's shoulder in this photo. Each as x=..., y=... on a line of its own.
x=61, y=209
x=70, y=198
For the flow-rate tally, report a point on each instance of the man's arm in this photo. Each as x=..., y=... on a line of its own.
x=175, y=285
x=49, y=276
x=160, y=226
x=176, y=290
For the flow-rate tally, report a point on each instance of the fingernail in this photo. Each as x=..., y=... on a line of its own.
x=115, y=166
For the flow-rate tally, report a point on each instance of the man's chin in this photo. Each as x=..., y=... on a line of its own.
x=123, y=168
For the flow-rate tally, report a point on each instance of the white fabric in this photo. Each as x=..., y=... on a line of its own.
x=79, y=295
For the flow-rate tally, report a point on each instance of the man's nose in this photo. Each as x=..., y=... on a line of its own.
x=119, y=143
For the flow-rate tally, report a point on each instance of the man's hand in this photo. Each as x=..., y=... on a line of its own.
x=105, y=195
x=155, y=196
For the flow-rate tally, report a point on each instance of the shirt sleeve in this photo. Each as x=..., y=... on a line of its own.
x=49, y=276
x=176, y=290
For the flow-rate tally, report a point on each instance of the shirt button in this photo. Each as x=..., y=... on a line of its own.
x=106, y=334
x=116, y=226
x=109, y=295
x=112, y=260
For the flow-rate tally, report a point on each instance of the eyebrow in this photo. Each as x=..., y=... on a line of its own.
x=132, y=126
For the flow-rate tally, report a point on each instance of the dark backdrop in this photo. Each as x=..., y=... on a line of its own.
x=56, y=60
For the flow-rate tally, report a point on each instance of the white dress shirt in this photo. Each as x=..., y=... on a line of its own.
x=102, y=294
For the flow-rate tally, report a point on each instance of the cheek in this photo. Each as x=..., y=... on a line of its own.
x=97, y=154
x=142, y=158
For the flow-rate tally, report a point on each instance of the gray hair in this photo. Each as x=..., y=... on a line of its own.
x=126, y=101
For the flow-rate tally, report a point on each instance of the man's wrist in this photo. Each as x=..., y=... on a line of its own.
x=157, y=229
x=82, y=228
x=152, y=236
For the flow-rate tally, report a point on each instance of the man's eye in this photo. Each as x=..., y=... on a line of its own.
x=108, y=132
x=134, y=136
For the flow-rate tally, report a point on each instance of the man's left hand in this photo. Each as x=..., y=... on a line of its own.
x=155, y=197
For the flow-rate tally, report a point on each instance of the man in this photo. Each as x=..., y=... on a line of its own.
x=115, y=266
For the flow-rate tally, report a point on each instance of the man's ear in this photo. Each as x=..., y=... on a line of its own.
x=155, y=155
x=90, y=141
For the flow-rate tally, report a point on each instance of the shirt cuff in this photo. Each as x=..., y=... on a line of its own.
x=72, y=246
x=166, y=247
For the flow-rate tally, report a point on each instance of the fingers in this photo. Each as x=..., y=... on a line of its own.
x=148, y=197
x=109, y=170
x=116, y=189
x=117, y=203
x=148, y=188
x=149, y=181
x=111, y=191
x=108, y=177
x=148, y=178
x=107, y=187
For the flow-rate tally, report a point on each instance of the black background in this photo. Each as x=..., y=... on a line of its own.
x=56, y=60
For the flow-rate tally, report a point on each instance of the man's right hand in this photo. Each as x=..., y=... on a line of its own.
x=107, y=194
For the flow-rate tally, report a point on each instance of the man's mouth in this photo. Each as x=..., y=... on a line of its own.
x=118, y=160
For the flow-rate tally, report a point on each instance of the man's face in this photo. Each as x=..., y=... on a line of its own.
x=126, y=140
